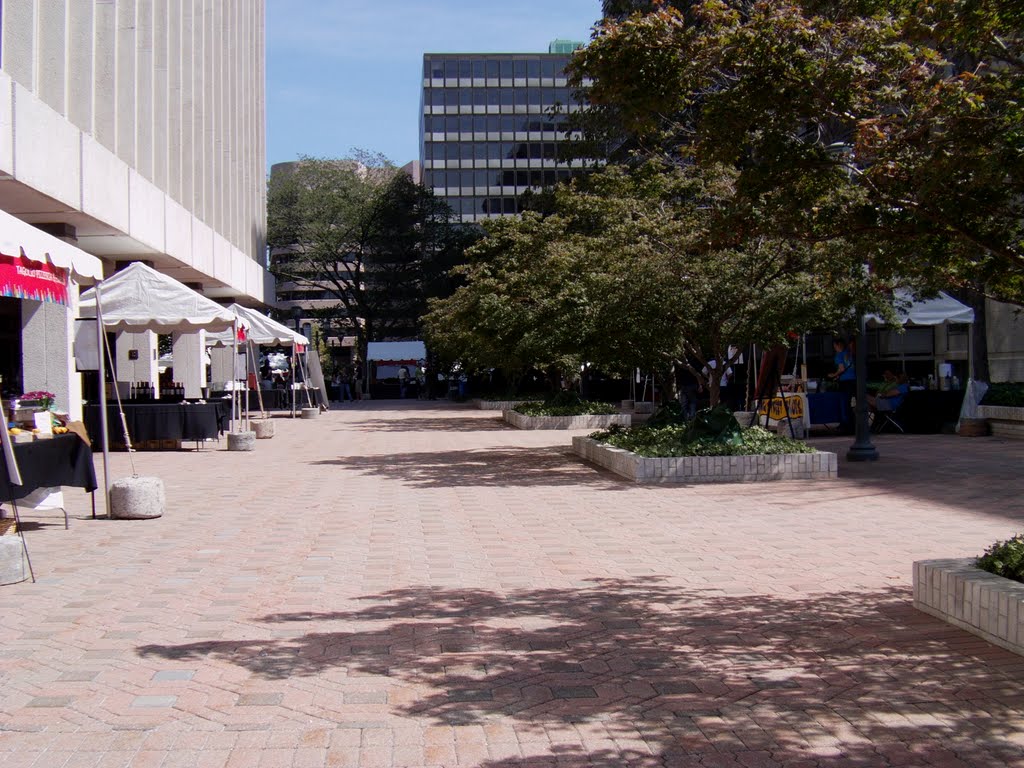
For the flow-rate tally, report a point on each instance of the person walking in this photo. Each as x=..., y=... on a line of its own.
x=345, y=384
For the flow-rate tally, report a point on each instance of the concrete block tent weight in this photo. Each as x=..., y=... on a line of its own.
x=138, y=298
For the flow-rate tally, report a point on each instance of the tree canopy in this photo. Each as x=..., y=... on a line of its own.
x=633, y=268
x=893, y=125
x=364, y=232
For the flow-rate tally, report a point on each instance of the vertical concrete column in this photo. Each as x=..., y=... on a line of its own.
x=47, y=359
x=222, y=364
x=140, y=366
x=190, y=362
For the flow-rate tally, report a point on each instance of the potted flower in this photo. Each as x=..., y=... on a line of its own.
x=38, y=401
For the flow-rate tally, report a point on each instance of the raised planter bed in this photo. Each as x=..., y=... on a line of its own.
x=497, y=405
x=592, y=422
x=960, y=593
x=708, y=469
x=1004, y=420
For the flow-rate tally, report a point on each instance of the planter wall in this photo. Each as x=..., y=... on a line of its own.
x=498, y=405
x=708, y=469
x=986, y=605
x=1004, y=420
x=519, y=421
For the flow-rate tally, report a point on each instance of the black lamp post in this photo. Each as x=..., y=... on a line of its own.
x=862, y=449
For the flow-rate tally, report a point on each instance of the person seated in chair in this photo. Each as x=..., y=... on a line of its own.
x=891, y=394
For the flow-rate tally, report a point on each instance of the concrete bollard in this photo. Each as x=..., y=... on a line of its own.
x=13, y=567
x=137, y=498
x=241, y=441
x=263, y=428
x=310, y=413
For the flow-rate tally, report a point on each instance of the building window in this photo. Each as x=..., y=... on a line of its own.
x=492, y=68
x=506, y=68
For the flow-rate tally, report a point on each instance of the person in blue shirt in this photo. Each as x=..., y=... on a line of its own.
x=845, y=376
x=891, y=394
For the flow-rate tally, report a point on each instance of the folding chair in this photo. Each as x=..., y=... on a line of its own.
x=886, y=419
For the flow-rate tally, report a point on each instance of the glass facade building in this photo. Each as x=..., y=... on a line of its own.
x=490, y=126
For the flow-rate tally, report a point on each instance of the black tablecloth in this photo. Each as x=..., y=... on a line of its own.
x=63, y=460
x=926, y=411
x=273, y=399
x=177, y=421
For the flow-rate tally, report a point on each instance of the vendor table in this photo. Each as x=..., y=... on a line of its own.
x=273, y=399
x=152, y=421
x=829, y=407
x=62, y=460
x=926, y=411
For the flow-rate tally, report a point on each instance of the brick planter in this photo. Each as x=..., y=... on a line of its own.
x=498, y=405
x=708, y=469
x=519, y=421
x=986, y=605
x=1004, y=420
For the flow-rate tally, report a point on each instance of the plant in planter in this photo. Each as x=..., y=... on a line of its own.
x=1003, y=406
x=715, y=432
x=1005, y=558
x=566, y=404
x=38, y=399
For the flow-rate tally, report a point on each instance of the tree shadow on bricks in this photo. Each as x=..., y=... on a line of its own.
x=434, y=424
x=638, y=672
x=483, y=467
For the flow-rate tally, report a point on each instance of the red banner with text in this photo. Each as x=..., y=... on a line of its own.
x=21, y=278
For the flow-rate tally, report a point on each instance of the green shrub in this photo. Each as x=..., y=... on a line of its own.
x=578, y=408
x=1005, y=558
x=670, y=413
x=1010, y=394
x=672, y=441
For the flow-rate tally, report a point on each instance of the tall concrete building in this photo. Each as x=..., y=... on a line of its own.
x=488, y=128
x=134, y=130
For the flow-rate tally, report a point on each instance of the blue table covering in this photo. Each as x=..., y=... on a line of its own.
x=828, y=407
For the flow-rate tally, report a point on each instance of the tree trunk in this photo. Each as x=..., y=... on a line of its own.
x=976, y=301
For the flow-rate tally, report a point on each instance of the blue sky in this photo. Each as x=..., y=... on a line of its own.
x=344, y=74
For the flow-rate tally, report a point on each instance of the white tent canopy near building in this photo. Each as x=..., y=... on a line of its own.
x=260, y=329
x=942, y=309
x=138, y=298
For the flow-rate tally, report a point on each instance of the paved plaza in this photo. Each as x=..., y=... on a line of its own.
x=418, y=585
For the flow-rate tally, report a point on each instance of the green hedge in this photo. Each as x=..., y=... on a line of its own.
x=1005, y=558
x=582, y=408
x=1009, y=394
x=670, y=441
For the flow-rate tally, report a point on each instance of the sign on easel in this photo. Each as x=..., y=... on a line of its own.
x=794, y=406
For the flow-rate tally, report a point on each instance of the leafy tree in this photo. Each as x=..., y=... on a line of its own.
x=894, y=126
x=363, y=231
x=635, y=269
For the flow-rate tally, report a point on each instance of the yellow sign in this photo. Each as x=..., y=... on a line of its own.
x=776, y=408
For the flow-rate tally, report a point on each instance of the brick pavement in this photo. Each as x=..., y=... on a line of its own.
x=422, y=586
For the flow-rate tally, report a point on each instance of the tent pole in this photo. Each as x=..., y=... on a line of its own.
x=291, y=382
x=234, y=377
x=970, y=352
x=104, y=429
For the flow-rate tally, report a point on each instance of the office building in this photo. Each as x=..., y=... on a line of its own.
x=491, y=125
x=132, y=130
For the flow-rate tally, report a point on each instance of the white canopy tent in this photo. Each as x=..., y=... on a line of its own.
x=260, y=329
x=136, y=299
x=930, y=312
x=942, y=309
x=395, y=351
x=19, y=237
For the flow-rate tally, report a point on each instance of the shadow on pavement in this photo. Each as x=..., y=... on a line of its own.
x=435, y=424
x=506, y=467
x=647, y=674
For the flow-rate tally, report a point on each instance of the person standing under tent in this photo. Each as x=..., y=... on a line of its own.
x=845, y=376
